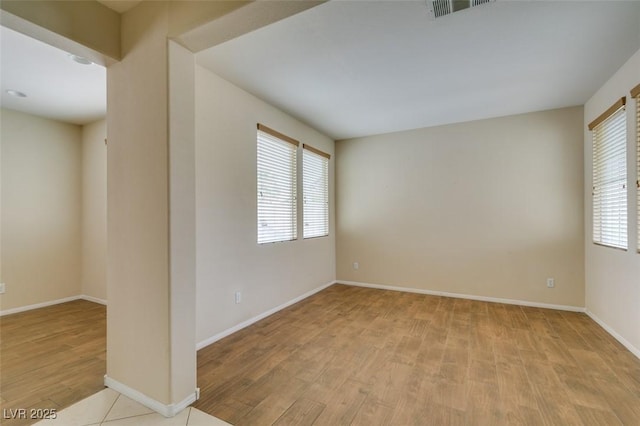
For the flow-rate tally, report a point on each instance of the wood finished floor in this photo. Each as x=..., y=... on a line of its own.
x=356, y=356
x=360, y=356
x=51, y=357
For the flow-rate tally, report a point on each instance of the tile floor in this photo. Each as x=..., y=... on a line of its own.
x=110, y=408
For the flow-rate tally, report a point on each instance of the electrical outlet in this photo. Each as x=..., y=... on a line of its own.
x=356, y=266
x=551, y=283
x=238, y=297
x=2, y=288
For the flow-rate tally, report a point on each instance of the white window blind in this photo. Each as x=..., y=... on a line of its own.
x=635, y=92
x=610, y=177
x=277, y=207
x=315, y=189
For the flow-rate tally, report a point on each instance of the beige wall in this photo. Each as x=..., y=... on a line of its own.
x=613, y=276
x=41, y=209
x=138, y=336
x=487, y=208
x=228, y=256
x=94, y=210
x=182, y=224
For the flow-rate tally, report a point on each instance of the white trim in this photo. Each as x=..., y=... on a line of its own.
x=169, y=410
x=466, y=296
x=38, y=305
x=93, y=299
x=614, y=333
x=51, y=303
x=243, y=324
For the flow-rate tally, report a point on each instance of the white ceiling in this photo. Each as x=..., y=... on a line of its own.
x=56, y=86
x=354, y=68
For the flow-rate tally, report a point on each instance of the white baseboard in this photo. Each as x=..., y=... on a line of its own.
x=51, y=303
x=93, y=299
x=237, y=327
x=466, y=296
x=167, y=410
x=614, y=333
x=38, y=305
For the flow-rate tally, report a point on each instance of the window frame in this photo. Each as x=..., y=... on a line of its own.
x=609, y=168
x=310, y=196
x=635, y=94
x=268, y=142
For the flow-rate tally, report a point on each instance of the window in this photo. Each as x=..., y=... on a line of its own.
x=610, y=177
x=315, y=189
x=277, y=207
x=635, y=93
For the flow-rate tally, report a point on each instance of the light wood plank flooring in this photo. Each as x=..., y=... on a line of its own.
x=357, y=356
x=360, y=356
x=51, y=357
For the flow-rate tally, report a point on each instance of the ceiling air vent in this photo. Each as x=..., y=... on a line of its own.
x=438, y=8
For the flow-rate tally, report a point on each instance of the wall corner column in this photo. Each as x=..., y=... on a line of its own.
x=151, y=354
